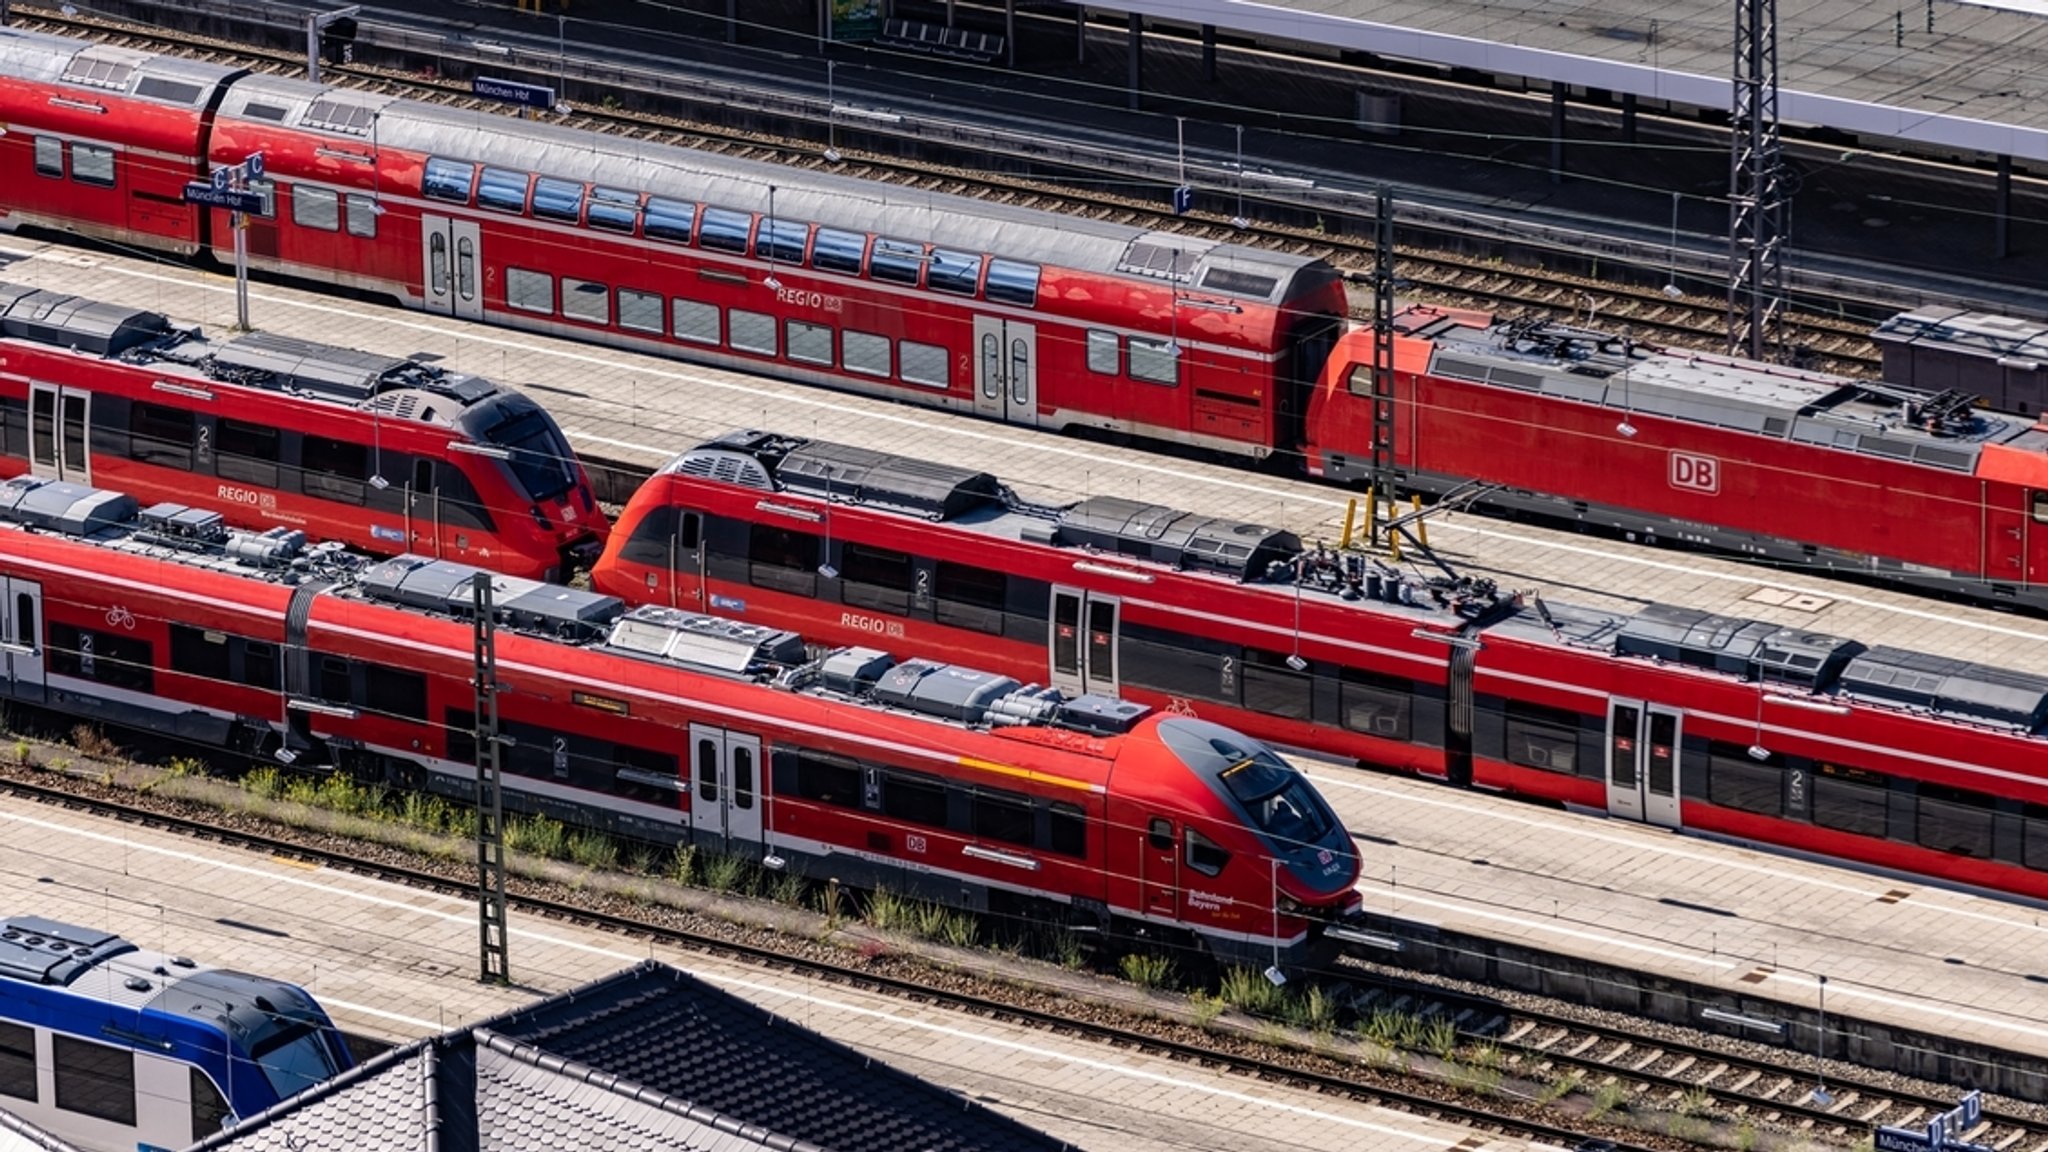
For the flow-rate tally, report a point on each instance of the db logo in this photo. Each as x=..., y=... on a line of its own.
x=1695, y=473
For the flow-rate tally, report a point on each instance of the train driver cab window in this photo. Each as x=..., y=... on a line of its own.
x=50, y=157
x=1105, y=353
x=448, y=180
x=896, y=262
x=17, y=1062
x=92, y=165
x=2041, y=507
x=1205, y=855
x=503, y=189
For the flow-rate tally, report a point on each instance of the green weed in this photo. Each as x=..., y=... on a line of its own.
x=1147, y=970
x=594, y=850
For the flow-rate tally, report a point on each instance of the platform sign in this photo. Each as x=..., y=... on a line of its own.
x=200, y=192
x=513, y=92
x=1935, y=1137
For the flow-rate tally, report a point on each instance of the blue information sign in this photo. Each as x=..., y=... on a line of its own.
x=199, y=192
x=513, y=92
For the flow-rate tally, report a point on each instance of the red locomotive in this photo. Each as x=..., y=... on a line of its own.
x=386, y=455
x=1798, y=468
x=1018, y=315
x=1667, y=715
x=933, y=779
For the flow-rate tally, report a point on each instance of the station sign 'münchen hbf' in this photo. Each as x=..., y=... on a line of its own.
x=1935, y=1138
x=513, y=92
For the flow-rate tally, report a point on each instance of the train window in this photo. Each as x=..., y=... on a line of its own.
x=259, y=665
x=94, y=1079
x=245, y=452
x=333, y=469
x=316, y=208
x=1851, y=800
x=1159, y=834
x=49, y=157
x=334, y=679
x=13, y=428
x=557, y=199
x=655, y=539
x=1069, y=828
x=1155, y=361
x=808, y=343
x=362, y=215
x=742, y=777
x=2040, y=507
x=530, y=291
x=116, y=659
x=92, y=165
x=781, y=241
x=1737, y=781
x=958, y=273
x=1954, y=820
x=586, y=300
x=199, y=652
x=782, y=558
x=965, y=596
x=752, y=332
x=1178, y=664
x=460, y=505
x=707, y=769
x=209, y=1109
x=696, y=321
x=18, y=1062
x=640, y=311
x=160, y=436
x=1542, y=737
x=862, y=352
x=827, y=780
x=836, y=251
x=878, y=578
x=1105, y=353
x=725, y=230
x=1271, y=687
x=918, y=799
x=896, y=262
x=1010, y=282
x=502, y=189
x=644, y=775
x=925, y=364
x=615, y=210
x=1004, y=816
x=1205, y=855
x=670, y=219
x=395, y=692
x=448, y=179
x=1374, y=704
x=2034, y=837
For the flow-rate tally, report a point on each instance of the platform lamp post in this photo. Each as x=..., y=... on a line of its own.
x=1671, y=287
x=1240, y=220
x=767, y=241
x=831, y=114
x=1821, y=1095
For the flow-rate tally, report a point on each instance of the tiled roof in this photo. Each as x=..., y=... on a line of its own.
x=649, y=1060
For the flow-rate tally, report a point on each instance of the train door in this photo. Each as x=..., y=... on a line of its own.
x=60, y=433
x=1006, y=374
x=452, y=266
x=725, y=804
x=1642, y=762
x=1083, y=641
x=2005, y=534
x=21, y=638
x=1159, y=869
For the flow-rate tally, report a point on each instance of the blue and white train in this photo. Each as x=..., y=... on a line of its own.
x=108, y=1046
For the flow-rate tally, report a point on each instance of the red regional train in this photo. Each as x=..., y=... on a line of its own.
x=1019, y=315
x=1725, y=726
x=934, y=779
x=386, y=455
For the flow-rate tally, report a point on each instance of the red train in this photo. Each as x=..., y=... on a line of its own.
x=934, y=779
x=1018, y=315
x=1667, y=715
x=383, y=454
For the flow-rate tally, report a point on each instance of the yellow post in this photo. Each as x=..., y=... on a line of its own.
x=1350, y=518
x=1421, y=525
x=1372, y=518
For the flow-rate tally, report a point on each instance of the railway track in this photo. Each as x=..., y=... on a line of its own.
x=1434, y=274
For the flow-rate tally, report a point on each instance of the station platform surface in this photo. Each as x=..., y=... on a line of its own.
x=642, y=409
x=397, y=964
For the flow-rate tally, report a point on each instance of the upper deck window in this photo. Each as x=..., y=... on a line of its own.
x=448, y=179
x=836, y=251
x=725, y=230
x=557, y=199
x=616, y=210
x=1012, y=282
x=502, y=189
x=781, y=240
x=896, y=262
x=956, y=272
x=670, y=219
